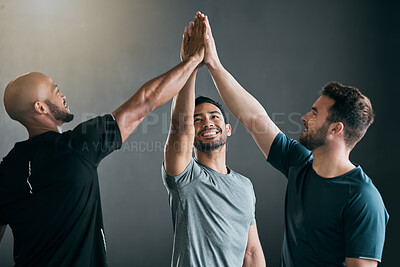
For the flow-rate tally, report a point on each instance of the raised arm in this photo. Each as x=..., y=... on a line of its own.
x=159, y=90
x=246, y=109
x=178, y=149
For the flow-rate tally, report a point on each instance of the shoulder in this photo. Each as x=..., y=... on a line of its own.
x=363, y=193
x=245, y=180
x=192, y=172
x=360, y=184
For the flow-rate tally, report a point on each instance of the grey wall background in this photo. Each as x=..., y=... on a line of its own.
x=283, y=52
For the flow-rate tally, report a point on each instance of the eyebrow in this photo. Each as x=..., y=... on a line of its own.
x=211, y=112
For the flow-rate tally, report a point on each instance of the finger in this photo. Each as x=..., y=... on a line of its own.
x=208, y=27
x=203, y=26
x=196, y=22
x=190, y=31
x=185, y=35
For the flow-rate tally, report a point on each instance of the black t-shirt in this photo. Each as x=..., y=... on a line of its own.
x=49, y=195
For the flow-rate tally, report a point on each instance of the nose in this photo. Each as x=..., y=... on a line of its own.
x=208, y=123
x=304, y=117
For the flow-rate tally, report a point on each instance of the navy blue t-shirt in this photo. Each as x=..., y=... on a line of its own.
x=50, y=197
x=327, y=219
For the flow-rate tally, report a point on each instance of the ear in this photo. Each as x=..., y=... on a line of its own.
x=338, y=128
x=40, y=107
x=228, y=129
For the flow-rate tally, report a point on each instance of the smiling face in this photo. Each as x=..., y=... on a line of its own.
x=30, y=96
x=57, y=102
x=315, y=124
x=211, y=132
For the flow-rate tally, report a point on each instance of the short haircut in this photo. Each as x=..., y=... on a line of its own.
x=352, y=108
x=203, y=99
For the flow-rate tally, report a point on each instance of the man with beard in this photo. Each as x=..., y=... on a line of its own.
x=334, y=215
x=213, y=207
x=49, y=192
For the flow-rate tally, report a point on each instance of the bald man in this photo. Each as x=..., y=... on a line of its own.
x=49, y=193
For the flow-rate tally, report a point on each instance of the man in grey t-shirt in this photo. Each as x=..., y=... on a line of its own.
x=212, y=206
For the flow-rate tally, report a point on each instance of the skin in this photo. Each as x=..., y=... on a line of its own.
x=25, y=101
x=25, y=96
x=203, y=123
x=330, y=160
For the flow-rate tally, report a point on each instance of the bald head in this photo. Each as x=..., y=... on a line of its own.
x=22, y=92
x=34, y=100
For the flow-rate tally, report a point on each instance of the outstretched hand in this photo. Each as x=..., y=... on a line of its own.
x=211, y=56
x=193, y=38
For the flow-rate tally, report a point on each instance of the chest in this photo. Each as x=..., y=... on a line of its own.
x=315, y=204
x=226, y=198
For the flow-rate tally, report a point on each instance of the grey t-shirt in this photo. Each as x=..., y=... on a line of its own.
x=211, y=215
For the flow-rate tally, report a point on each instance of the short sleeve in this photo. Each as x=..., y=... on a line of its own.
x=365, y=219
x=253, y=220
x=95, y=139
x=191, y=173
x=286, y=152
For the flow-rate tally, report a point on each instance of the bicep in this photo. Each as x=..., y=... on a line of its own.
x=178, y=152
x=127, y=120
x=355, y=262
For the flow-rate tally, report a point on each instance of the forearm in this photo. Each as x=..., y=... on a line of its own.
x=178, y=149
x=246, y=109
x=240, y=103
x=183, y=106
x=153, y=94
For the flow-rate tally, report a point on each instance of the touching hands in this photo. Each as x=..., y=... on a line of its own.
x=211, y=56
x=193, y=39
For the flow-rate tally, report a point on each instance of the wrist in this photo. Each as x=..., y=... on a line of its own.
x=196, y=58
x=214, y=65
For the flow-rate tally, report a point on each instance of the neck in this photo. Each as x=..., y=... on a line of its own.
x=331, y=161
x=215, y=159
x=38, y=129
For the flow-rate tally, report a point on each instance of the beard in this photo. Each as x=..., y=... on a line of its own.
x=207, y=147
x=314, y=140
x=60, y=115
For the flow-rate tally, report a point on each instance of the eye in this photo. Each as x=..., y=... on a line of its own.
x=214, y=117
x=197, y=120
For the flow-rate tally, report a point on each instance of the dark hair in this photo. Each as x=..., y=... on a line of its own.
x=352, y=108
x=203, y=99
